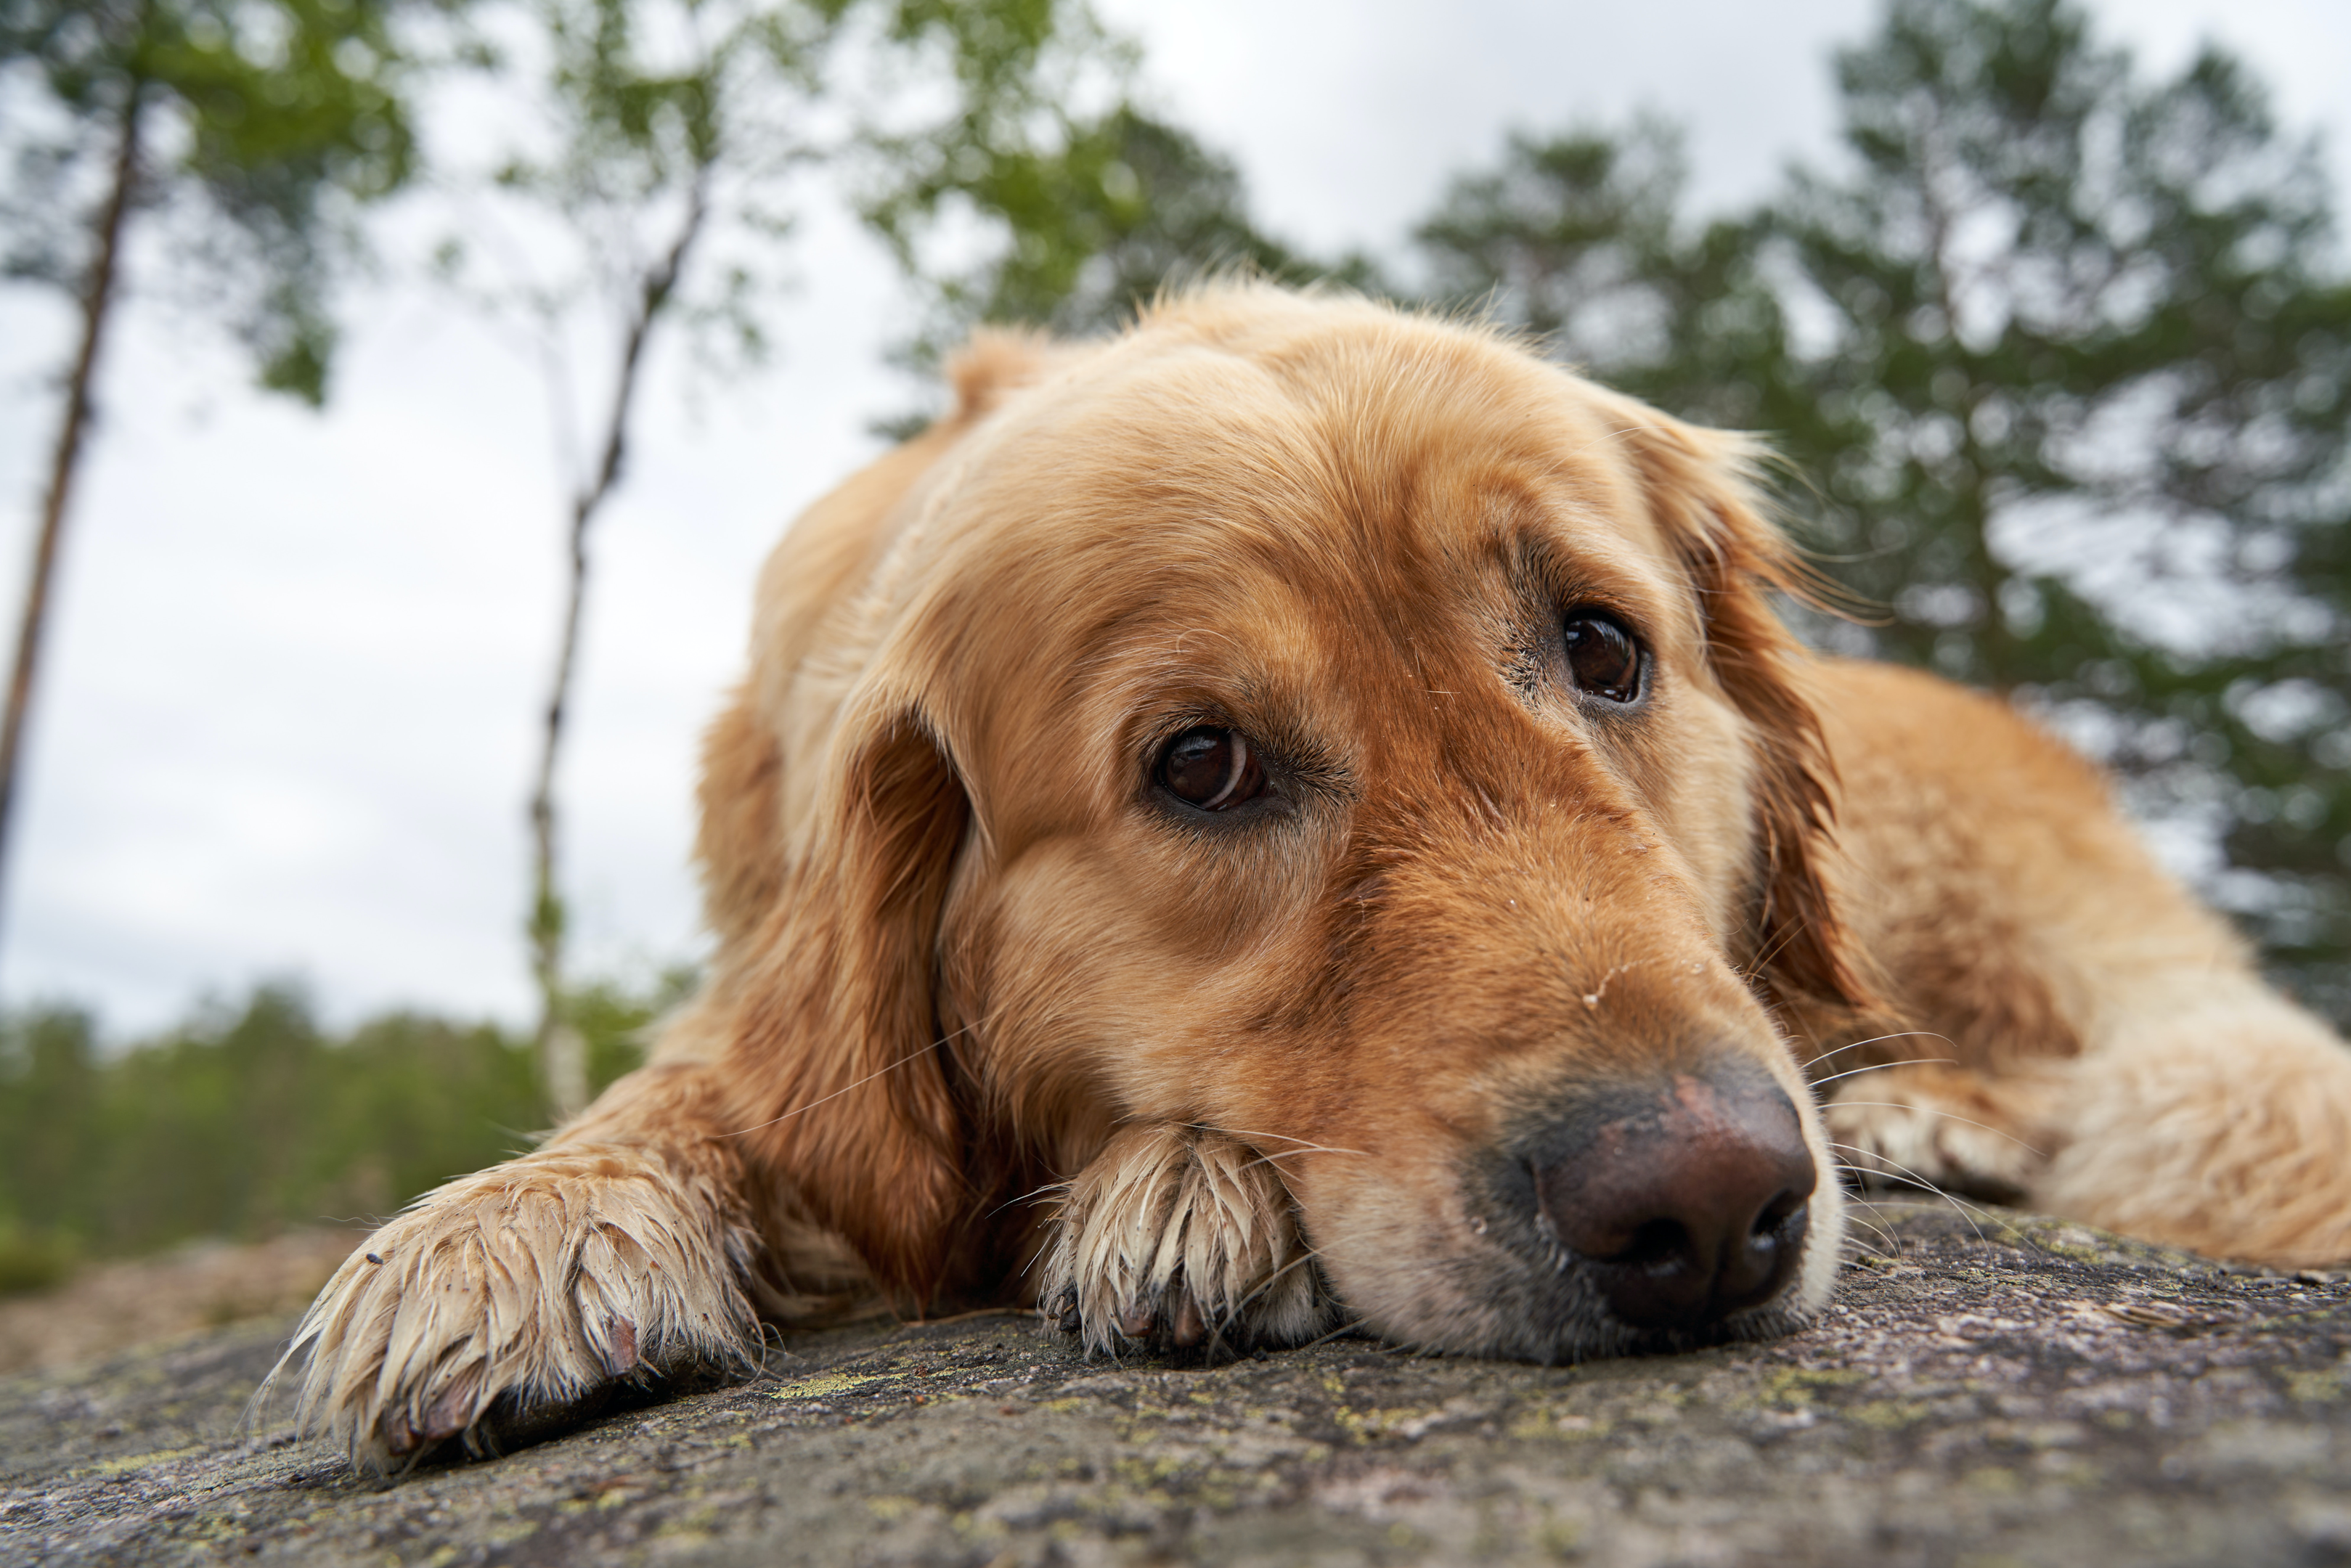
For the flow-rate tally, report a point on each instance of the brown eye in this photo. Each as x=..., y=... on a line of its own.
x=1215, y=770
x=1601, y=657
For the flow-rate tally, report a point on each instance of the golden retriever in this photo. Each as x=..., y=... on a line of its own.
x=1302, y=816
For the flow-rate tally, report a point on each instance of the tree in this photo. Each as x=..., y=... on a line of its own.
x=252, y=128
x=2088, y=377
x=672, y=130
x=1580, y=240
x=1094, y=227
x=2067, y=356
x=1089, y=228
x=1575, y=240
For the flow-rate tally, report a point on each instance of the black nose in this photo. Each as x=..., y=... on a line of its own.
x=1688, y=1207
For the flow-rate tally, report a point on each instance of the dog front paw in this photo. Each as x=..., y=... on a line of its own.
x=505, y=1301
x=1179, y=1237
x=1943, y=1128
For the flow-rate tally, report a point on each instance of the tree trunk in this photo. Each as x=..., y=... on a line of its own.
x=562, y=1051
x=98, y=299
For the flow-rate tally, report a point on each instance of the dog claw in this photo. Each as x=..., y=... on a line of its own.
x=1190, y=1327
x=1136, y=1320
x=450, y=1414
x=621, y=1358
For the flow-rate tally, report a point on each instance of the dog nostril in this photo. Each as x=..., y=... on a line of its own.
x=1659, y=1243
x=1778, y=1213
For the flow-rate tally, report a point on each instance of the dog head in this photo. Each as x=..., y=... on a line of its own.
x=1337, y=729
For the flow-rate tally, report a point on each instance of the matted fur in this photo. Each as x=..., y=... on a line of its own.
x=993, y=1019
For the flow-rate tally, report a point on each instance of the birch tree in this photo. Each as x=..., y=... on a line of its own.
x=251, y=130
x=655, y=197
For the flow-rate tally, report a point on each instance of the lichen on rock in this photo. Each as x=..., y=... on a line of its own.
x=1991, y=1387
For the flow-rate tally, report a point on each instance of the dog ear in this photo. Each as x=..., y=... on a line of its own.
x=1704, y=495
x=843, y=1075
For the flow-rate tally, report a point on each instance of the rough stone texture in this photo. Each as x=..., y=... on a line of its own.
x=2039, y=1394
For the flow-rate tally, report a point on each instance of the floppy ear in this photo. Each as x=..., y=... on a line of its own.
x=826, y=977
x=841, y=1071
x=1703, y=494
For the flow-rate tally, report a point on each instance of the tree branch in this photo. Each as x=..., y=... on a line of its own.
x=562, y=1052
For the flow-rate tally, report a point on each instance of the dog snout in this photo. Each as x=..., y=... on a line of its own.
x=1683, y=1205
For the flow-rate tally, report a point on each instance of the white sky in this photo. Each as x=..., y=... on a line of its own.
x=290, y=699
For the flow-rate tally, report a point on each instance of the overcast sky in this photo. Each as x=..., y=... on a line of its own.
x=287, y=718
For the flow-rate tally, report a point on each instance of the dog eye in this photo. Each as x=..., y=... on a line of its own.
x=1215, y=770
x=1601, y=657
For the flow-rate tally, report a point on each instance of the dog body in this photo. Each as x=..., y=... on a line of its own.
x=1301, y=817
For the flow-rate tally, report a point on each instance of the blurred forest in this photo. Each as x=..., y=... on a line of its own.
x=250, y=1118
x=2058, y=357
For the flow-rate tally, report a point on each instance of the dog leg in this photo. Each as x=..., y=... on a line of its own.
x=1946, y=1127
x=507, y=1299
x=2215, y=1121
x=2220, y=1125
x=1177, y=1236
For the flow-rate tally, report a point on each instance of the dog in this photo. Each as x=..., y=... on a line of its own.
x=1303, y=816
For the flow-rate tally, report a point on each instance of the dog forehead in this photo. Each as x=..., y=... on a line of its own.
x=1334, y=458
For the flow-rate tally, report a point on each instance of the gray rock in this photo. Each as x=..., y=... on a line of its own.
x=2039, y=1393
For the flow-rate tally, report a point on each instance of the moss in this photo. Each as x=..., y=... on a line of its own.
x=1887, y=1414
x=825, y=1384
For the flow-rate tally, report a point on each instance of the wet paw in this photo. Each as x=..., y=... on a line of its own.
x=507, y=1302
x=1181, y=1239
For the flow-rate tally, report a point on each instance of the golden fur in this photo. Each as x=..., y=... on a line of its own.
x=990, y=1021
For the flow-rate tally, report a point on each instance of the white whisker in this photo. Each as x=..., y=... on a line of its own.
x=1879, y=1039
x=1882, y=1066
x=1900, y=1170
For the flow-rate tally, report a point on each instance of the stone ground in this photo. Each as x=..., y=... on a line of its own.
x=2036, y=1394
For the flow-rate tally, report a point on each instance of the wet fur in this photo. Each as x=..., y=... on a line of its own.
x=990, y=1020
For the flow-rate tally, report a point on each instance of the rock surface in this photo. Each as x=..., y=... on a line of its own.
x=2038, y=1392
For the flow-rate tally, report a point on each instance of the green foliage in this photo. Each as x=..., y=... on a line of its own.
x=1090, y=225
x=672, y=133
x=1095, y=226
x=2063, y=357
x=253, y=126
x=31, y=1261
x=246, y=1120
x=1572, y=240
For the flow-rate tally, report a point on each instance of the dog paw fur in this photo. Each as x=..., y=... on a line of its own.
x=508, y=1301
x=1940, y=1127
x=1176, y=1237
